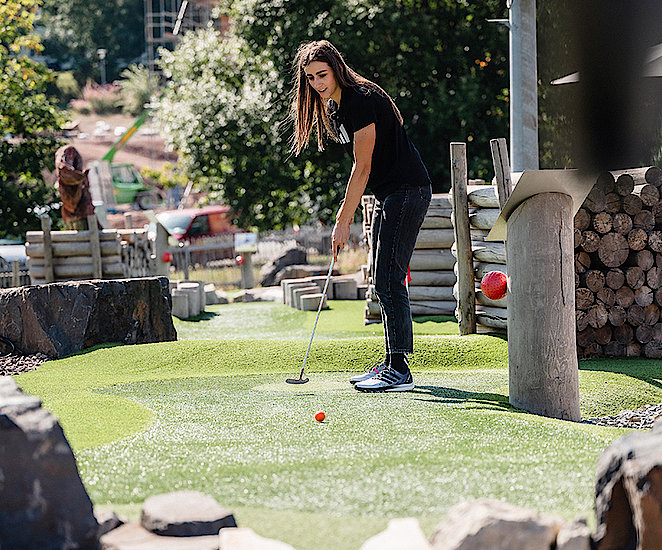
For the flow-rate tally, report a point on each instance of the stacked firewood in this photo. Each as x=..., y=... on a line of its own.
x=618, y=266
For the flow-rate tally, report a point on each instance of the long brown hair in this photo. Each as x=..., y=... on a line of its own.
x=307, y=109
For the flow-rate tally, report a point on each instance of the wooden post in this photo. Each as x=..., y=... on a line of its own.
x=466, y=299
x=160, y=247
x=15, y=274
x=49, y=276
x=501, y=169
x=95, y=246
x=542, y=352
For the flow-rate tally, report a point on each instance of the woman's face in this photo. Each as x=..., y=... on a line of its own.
x=323, y=80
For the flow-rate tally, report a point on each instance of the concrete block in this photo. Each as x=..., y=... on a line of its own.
x=299, y=291
x=361, y=290
x=319, y=281
x=210, y=294
x=196, y=296
x=180, y=307
x=344, y=289
x=291, y=287
x=310, y=302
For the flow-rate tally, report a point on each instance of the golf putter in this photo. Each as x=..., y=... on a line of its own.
x=301, y=379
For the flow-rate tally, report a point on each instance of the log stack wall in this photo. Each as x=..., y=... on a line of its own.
x=431, y=266
x=483, y=203
x=618, y=266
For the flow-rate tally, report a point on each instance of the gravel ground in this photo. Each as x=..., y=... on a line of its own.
x=642, y=418
x=16, y=364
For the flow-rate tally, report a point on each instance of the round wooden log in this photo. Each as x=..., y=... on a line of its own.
x=435, y=238
x=542, y=353
x=594, y=350
x=643, y=334
x=584, y=298
x=653, y=350
x=613, y=349
x=484, y=218
x=603, y=335
x=654, y=278
x=637, y=239
x=624, y=297
x=492, y=322
x=432, y=278
x=582, y=262
x=645, y=220
x=582, y=219
x=647, y=174
x=623, y=334
x=648, y=194
x=75, y=260
x=643, y=296
x=624, y=185
x=590, y=241
x=651, y=314
x=485, y=301
x=613, y=250
x=594, y=280
x=612, y=203
x=437, y=219
x=644, y=259
x=71, y=236
x=635, y=315
x=602, y=222
x=657, y=297
x=597, y=315
x=79, y=271
x=491, y=252
x=481, y=268
x=484, y=196
x=657, y=212
x=63, y=249
x=606, y=181
x=581, y=320
x=430, y=293
x=433, y=308
x=432, y=260
x=577, y=238
x=595, y=201
x=615, y=278
x=657, y=332
x=622, y=223
x=441, y=200
x=632, y=205
x=655, y=241
x=635, y=278
x=586, y=337
x=607, y=296
x=633, y=349
x=617, y=315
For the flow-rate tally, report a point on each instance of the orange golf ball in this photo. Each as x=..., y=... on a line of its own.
x=319, y=416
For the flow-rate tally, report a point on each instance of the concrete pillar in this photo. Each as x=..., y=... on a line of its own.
x=180, y=306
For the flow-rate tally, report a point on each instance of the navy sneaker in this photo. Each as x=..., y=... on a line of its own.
x=387, y=380
x=369, y=373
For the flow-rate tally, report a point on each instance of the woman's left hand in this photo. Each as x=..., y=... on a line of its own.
x=339, y=237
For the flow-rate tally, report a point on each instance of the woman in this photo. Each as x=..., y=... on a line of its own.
x=356, y=112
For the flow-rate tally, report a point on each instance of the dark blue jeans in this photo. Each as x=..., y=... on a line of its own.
x=396, y=222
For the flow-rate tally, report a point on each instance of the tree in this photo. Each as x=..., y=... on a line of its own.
x=28, y=123
x=74, y=30
x=227, y=101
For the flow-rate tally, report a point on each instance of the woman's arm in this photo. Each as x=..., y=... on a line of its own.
x=364, y=143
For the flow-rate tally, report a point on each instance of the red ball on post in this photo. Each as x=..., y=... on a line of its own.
x=239, y=260
x=166, y=257
x=494, y=285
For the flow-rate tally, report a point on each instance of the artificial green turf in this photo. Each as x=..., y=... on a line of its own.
x=216, y=415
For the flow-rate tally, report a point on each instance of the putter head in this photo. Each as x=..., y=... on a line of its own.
x=297, y=380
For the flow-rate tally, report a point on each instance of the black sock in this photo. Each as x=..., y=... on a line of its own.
x=399, y=362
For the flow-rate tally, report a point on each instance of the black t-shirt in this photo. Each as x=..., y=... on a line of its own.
x=395, y=160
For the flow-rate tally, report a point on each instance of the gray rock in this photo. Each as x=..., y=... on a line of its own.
x=242, y=538
x=132, y=536
x=43, y=503
x=484, y=523
x=401, y=534
x=59, y=319
x=291, y=256
x=185, y=514
x=574, y=536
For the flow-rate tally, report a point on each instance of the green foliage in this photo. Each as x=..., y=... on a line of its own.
x=102, y=99
x=66, y=87
x=167, y=178
x=227, y=103
x=73, y=30
x=137, y=87
x=28, y=123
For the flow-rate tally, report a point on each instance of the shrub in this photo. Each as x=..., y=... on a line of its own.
x=81, y=106
x=137, y=87
x=103, y=99
x=66, y=86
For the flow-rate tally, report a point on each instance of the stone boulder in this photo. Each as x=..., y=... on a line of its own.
x=291, y=256
x=628, y=501
x=401, y=534
x=43, y=503
x=185, y=514
x=485, y=523
x=59, y=319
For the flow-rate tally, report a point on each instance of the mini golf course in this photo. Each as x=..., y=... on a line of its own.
x=212, y=413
